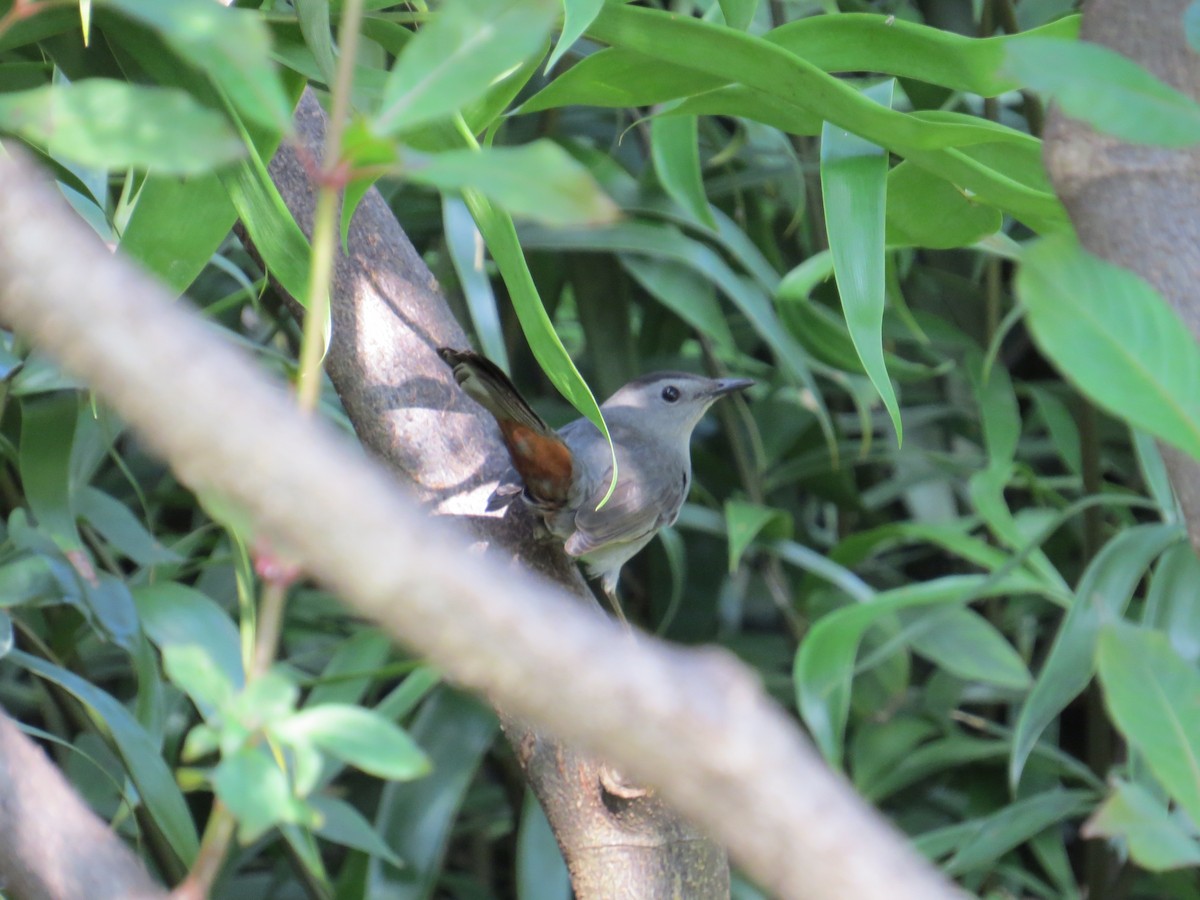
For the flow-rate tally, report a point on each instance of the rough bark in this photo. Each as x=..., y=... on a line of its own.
x=389, y=315
x=52, y=846
x=1139, y=206
x=696, y=724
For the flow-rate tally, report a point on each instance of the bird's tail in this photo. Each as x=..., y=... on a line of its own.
x=538, y=454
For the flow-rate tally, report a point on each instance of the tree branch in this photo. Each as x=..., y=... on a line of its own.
x=51, y=844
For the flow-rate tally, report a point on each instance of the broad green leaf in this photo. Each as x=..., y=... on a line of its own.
x=47, y=439
x=177, y=615
x=1157, y=840
x=457, y=55
x=965, y=644
x=143, y=763
x=1151, y=694
x=313, y=16
x=924, y=210
x=853, y=185
x=746, y=521
x=230, y=46
x=676, y=155
x=794, y=84
x=824, y=664
x=1114, y=337
x=738, y=13
x=254, y=788
x=415, y=818
x=994, y=835
x=118, y=526
x=111, y=124
x=108, y=600
x=345, y=825
x=352, y=669
x=684, y=292
x=357, y=736
x=1172, y=603
x=1061, y=425
x=541, y=872
x=171, y=247
x=849, y=42
x=539, y=181
x=197, y=674
x=1110, y=92
x=284, y=247
x=1101, y=596
x=577, y=16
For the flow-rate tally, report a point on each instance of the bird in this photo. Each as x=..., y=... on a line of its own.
x=566, y=474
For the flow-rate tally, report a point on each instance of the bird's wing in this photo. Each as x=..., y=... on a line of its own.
x=632, y=512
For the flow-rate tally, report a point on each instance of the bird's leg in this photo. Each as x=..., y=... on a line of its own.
x=610, y=594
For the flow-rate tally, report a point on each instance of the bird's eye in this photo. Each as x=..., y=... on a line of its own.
x=670, y=393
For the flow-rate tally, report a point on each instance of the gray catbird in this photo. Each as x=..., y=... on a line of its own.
x=565, y=474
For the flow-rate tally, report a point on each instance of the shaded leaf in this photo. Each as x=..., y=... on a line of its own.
x=1114, y=337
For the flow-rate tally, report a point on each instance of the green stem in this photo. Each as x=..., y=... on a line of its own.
x=324, y=236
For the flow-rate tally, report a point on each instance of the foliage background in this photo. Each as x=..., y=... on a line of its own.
x=934, y=608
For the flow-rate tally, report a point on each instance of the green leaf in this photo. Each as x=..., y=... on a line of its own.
x=539, y=181
x=465, y=47
x=111, y=124
x=194, y=671
x=684, y=292
x=578, y=15
x=1109, y=91
x=313, y=16
x=140, y=754
x=541, y=872
x=174, y=615
x=230, y=46
x=994, y=835
x=854, y=187
x=848, y=42
x=676, y=155
x=47, y=439
x=464, y=244
x=416, y=818
x=345, y=825
x=357, y=736
x=944, y=145
x=746, y=521
x=254, y=788
x=1151, y=694
x=1114, y=337
x=738, y=13
x=500, y=234
x=175, y=248
x=924, y=210
x=824, y=665
x=1157, y=840
x=965, y=644
x=1102, y=595
x=121, y=528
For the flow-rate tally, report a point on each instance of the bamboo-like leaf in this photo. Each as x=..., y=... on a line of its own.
x=854, y=185
x=1114, y=337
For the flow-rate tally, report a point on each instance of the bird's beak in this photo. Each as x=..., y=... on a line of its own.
x=730, y=386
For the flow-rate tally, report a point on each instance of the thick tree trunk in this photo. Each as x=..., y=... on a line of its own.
x=1139, y=206
x=388, y=317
